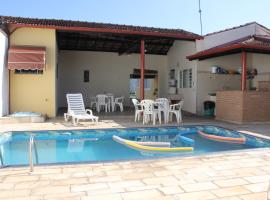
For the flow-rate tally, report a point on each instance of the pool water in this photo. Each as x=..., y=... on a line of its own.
x=54, y=147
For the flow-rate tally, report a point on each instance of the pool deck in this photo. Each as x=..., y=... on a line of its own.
x=238, y=175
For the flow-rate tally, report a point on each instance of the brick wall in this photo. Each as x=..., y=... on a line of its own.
x=240, y=107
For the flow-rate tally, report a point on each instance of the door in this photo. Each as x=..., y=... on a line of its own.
x=187, y=87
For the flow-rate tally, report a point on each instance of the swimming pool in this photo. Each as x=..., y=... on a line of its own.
x=77, y=146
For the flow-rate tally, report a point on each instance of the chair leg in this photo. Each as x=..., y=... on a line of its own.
x=159, y=117
x=135, y=116
x=178, y=118
x=170, y=116
x=154, y=119
x=65, y=117
x=121, y=107
x=74, y=121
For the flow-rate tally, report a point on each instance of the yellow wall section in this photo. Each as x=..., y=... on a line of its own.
x=30, y=92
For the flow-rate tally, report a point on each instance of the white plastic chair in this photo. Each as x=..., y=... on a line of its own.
x=76, y=109
x=176, y=109
x=103, y=101
x=119, y=101
x=163, y=106
x=149, y=112
x=138, y=109
x=111, y=99
x=93, y=102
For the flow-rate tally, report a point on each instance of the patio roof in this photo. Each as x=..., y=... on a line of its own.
x=90, y=36
x=254, y=44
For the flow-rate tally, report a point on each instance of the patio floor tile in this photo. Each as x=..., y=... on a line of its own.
x=254, y=196
x=202, y=195
x=257, y=187
x=145, y=194
x=231, y=182
x=231, y=191
x=199, y=186
x=169, y=190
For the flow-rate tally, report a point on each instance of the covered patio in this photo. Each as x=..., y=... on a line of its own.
x=129, y=62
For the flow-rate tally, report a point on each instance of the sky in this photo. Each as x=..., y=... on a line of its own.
x=183, y=14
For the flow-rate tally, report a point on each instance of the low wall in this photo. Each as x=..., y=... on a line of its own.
x=241, y=107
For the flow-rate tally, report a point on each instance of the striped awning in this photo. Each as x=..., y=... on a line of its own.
x=26, y=58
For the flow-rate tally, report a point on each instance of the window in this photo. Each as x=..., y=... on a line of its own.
x=86, y=76
x=135, y=83
x=187, y=78
x=147, y=84
x=28, y=71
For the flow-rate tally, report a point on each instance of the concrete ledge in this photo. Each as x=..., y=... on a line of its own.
x=26, y=119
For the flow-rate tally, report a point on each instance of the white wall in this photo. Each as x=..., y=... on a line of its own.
x=109, y=72
x=4, y=76
x=262, y=63
x=210, y=83
x=223, y=37
x=177, y=60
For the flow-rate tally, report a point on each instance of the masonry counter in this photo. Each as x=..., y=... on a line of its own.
x=243, y=106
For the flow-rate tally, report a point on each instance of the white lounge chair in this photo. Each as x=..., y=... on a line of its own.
x=76, y=109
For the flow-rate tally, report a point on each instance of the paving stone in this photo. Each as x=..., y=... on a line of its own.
x=257, y=187
x=6, y=186
x=126, y=184
x=169, y=190
x=87, y=187
x=144, y=187
x=103, y=197
x=202, y=195
x=5, y=194
x=135, y=176
x=258, y=179
x=51, y=190
x=105, y=179
x=26, y=198
x=105, y=191
x=142, y=195
x=231, y=182
x=70, y=181
x=66, y=196
x=21, y=178
x=192, y=187
x=31, y=184
x=229, y=198
x=168, y=180
x=231, y=191
x=254, y=196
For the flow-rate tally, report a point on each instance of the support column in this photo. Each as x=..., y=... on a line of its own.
x=244, y=70
x=142, y=64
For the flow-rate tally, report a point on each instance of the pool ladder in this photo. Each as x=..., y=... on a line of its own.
x=31, y=145
x=1, y=158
